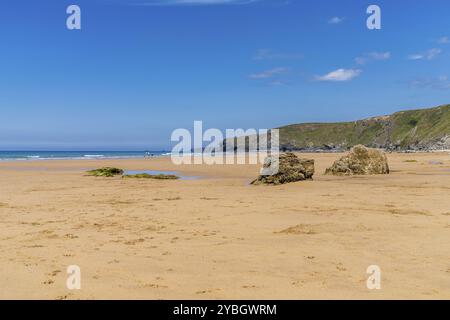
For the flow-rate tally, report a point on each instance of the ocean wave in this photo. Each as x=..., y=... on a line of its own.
x=49, y=155
x=93, y=155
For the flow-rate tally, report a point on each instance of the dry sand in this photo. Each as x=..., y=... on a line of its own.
x=218, y=237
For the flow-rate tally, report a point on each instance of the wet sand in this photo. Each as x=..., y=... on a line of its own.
x=220, y=238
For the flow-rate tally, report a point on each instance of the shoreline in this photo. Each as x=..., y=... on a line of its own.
x=77, y=159
x=167, y=154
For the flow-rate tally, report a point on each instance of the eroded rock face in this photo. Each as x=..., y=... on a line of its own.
x=290, y=169
x=360, y=161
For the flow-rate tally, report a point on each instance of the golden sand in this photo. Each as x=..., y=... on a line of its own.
x=220, y=238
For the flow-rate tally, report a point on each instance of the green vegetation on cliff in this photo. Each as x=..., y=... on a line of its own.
x=424, y=129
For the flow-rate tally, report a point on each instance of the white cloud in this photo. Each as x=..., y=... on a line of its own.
x=380, y=55
x=429, y=55
x=335, y=20
x=269, y=73
x=277, y=83
x=416, y=56
x=441, y=83
x=267, y=54
x=340, y=75
x=444, y=40
x=377, y=56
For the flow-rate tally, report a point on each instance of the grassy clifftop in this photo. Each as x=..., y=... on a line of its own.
x=423, y=129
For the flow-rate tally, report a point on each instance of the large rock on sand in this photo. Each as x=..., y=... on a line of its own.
x=290, y=169
x=360, y=161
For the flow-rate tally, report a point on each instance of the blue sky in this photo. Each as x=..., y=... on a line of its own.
x=140, y=69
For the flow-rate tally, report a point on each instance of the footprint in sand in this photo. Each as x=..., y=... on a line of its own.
x=68, y=255
x=249, y=287
x=152, y=285
x=70, y=236
x=64, y=297
x=114, y=261
x=35, y=246
x=54, y=273
x=48, y=282
x=340, y=267
x=133, y=242
x=207, y=291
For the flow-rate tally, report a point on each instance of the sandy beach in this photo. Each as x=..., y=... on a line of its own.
x=217, y=237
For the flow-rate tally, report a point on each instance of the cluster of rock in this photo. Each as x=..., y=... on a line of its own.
x=287, y=167
x=436, y=144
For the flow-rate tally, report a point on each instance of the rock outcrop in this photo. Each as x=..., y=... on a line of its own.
x=285, y=168
x=360, y=161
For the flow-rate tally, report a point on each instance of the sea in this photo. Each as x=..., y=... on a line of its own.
x=77, y=155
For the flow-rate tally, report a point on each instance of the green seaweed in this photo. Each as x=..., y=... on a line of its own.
x=105, y=172
x=152, y=176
